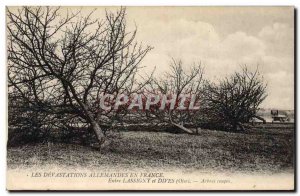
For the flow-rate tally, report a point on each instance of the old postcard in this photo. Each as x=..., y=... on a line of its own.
x=150, y=98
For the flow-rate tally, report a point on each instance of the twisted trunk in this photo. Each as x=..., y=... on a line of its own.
x=95, y=126
x=90, y=117
x=98, y=132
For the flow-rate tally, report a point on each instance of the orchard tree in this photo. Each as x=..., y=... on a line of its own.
x=179, y=87
x=60, y=63
x=235, y=100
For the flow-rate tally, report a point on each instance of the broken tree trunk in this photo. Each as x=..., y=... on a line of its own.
x=260, y=118
x=180, y=126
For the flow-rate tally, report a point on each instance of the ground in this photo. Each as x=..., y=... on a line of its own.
x=268, y=148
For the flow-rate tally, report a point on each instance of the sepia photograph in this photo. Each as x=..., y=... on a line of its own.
x=150, y=98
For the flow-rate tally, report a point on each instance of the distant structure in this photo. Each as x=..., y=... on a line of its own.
x=276, y=116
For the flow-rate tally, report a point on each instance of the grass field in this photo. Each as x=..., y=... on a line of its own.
x=262, y=150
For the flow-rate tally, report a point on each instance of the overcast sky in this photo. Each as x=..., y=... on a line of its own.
x=223, y=39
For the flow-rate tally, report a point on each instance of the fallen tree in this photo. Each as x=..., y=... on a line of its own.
x=182, y=90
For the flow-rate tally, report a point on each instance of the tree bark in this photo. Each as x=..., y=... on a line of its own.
x=98, y=132
x=96, y=127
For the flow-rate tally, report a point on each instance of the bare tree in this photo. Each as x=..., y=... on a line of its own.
x=61, y=65
x=177, y=82
x=235, y=100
